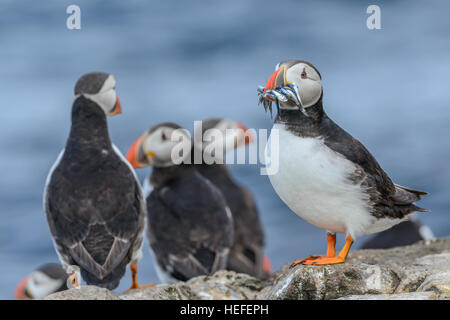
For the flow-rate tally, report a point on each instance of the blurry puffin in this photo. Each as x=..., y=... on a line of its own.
x=325, y=175
x=402, y=234
x=247, y=253
x=47, y=279
x=93, y=200
x=190, y=228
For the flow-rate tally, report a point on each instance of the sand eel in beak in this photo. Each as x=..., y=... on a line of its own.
x=190, y=228
x=93, y=200
x=247, y=253
x=45, y=280
x=326, y=176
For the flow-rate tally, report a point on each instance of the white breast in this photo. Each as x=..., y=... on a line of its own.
x=313, y=181
x=147, y=188
x=49, y=176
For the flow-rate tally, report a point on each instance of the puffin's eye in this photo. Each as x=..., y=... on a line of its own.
x=303, y=74
x=163, y=137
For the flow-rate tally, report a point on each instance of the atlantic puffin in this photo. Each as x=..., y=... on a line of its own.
x=46, y=279
x=189, y=225
x=93, y=200
x=324, y=175
x=247, y=253
x=403, y=234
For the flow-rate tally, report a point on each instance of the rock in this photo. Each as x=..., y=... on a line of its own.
x=417, y=268
x=439, y=282
x=83, y=293
x=223, y=285
x=417, y=272
x=334, y=281
x=400, y=296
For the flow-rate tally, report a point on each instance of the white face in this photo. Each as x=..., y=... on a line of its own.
x=225, y=136
x=308, y=83
x=106, y=98
x=166, y=146
x=40, y=285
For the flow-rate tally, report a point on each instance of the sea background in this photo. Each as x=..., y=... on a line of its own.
x=182, y=61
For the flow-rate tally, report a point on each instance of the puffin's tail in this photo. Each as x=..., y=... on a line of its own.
x=406, y=196
x=418, y=193
x=419, y=209
x=110, y=282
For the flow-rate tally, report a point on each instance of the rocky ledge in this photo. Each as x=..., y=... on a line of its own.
x=420, y=272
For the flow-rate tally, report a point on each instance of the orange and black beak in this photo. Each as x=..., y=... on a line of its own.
x=247, y=134
x=117, y=108
x=133, y=154
x=21, y=292
x=137, y=156
x=276, y=80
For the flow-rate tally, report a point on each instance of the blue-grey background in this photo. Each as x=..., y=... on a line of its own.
x=186, y=60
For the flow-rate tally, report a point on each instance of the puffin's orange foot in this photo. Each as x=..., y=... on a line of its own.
x=134, y=281
x=323, y=261
x=137, y=286
x=73, y=279
x=311, y=258
x=330, y=258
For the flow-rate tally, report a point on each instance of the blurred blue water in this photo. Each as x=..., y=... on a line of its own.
x=184, y=61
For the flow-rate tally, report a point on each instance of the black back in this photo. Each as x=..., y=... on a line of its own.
x=248, y=242
x=189, y=229
x=93, y=202
x=246, y=255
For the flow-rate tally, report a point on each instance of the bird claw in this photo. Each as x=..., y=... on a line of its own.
x=310, y=260
x=294, y=264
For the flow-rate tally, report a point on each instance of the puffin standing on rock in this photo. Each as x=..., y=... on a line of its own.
x=93, y=200
x=247, y=252
x=190, y=227
x=326, y=176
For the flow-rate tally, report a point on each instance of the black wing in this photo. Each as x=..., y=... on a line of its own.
x=246, y=255
x=95, y=214
x=386, y=198
x=189, y=227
